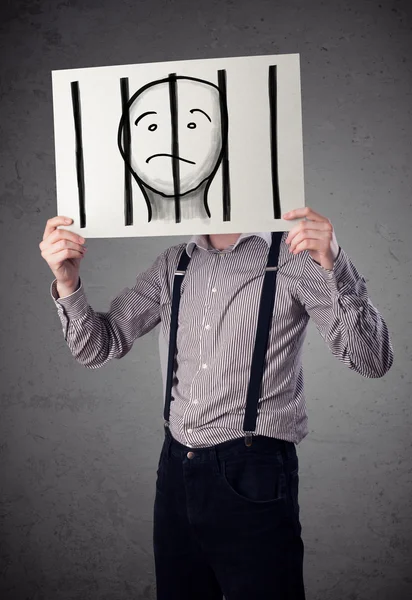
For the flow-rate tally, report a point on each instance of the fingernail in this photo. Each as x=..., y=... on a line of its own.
x=68, y=220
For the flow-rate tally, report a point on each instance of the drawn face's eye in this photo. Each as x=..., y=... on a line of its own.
x=152, y=127
x=191, y=125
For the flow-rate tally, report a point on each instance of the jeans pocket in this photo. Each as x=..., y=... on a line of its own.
x=255, y=478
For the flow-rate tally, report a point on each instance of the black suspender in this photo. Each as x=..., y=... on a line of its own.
x=177, y=284
x=267, y=300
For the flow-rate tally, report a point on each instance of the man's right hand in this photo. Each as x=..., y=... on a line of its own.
x=63, y=251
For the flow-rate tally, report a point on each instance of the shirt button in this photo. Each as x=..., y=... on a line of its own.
x=214, y=290
x=189, y=430
x=207, y=327
x=195, y=401
x=340, y=285
x=190, y=455
x=204, y=366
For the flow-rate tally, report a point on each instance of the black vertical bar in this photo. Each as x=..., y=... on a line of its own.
x=221, y=77
x=79, y=149
x=175, y=143
x=127, y=144
x=274, y=139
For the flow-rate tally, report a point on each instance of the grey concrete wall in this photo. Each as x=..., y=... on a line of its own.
x=79, y=448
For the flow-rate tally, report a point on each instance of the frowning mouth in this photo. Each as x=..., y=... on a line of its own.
x=171, y=156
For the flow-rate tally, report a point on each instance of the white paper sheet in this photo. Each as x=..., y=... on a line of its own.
x=220, y=150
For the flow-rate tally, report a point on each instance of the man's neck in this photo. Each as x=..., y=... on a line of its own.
x=221, y=241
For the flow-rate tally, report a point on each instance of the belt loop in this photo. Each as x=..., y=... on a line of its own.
x=248, y=440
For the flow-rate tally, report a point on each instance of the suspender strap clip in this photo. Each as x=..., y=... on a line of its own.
x=248, y=440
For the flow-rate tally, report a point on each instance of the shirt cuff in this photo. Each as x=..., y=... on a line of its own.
x=342, y=277
x=75, y=305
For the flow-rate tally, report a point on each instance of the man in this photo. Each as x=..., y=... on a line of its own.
x=226, y=516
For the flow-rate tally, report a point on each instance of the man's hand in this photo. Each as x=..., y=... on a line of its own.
x=314, y=234
x=63, y=251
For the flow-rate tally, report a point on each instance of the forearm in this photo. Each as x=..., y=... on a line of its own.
x=358, y=337
x=92, y=342
x=88, y=334
x=93, y=337
x=352, y=327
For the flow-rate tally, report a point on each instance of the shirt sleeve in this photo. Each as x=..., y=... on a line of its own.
x=96, y=337
x=338, y=302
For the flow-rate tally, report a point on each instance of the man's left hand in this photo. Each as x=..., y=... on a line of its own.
x=314, y=234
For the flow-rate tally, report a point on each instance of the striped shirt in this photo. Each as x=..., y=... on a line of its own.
x=219, y=306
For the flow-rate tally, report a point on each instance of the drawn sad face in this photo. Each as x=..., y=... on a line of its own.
x=191, y=139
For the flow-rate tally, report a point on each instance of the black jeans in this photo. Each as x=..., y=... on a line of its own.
x=226, y=522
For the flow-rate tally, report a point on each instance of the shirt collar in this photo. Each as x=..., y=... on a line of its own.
x=202, y=242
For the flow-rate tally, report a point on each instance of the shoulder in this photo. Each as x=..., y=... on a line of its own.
x=168, y=261
x=172, y=254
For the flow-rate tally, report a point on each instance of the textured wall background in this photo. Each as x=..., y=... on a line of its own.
x=79, y=448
